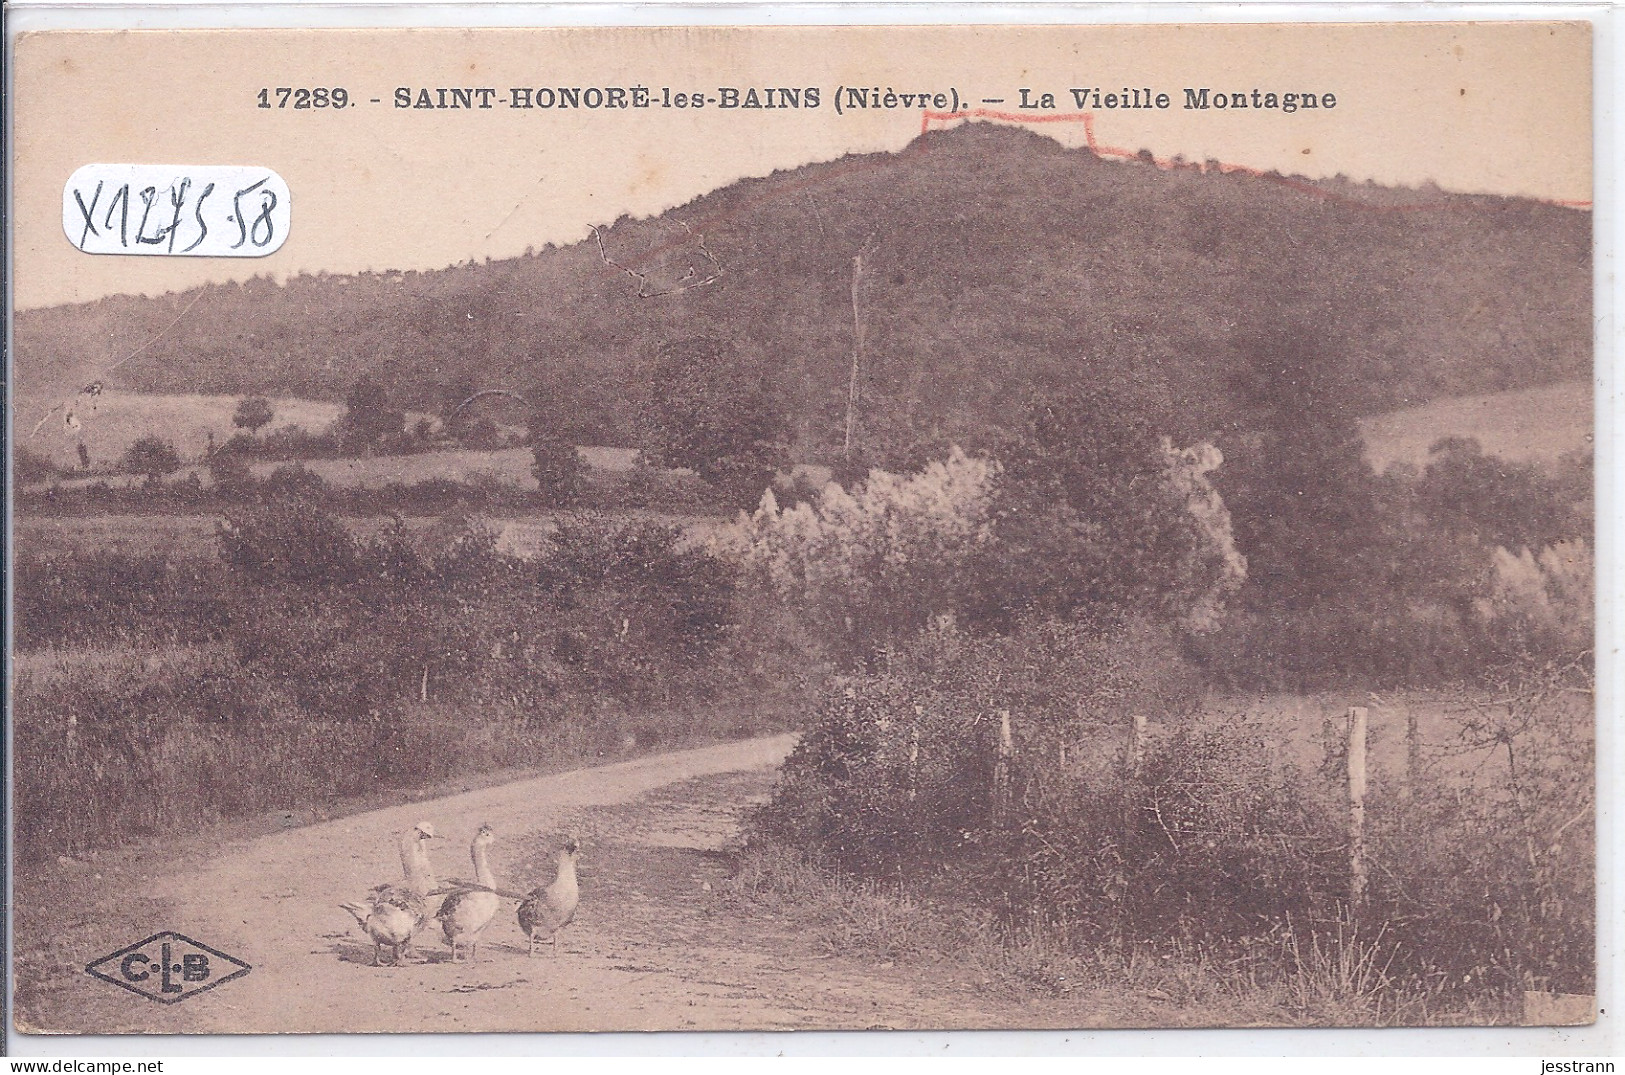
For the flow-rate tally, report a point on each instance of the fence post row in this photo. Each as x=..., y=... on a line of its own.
x=1356, y=765
x=1001, y=767
x=1136, y=745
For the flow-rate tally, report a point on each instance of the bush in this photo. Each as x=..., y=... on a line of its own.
x=152, y=456
x=1207, y=845
x=711, y=411
x=653, y=589
x=900, y=769
x=288, y=541
x=230, y=474
x=558, y=467
x=870, y=570
x=29, y=467
x=252, y=413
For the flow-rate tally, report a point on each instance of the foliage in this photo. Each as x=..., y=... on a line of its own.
x=1541, y=606
x=295, y=483
x=870, y=569
x=1181, y=258
x=558, y=467
x=1492, y=501
x=288, y=541
x=230, y=474
x=1206, y=840
x=1099, y=517
x=1297, y=484
x=642, y=582
x=369, y=416
x=710, y=413
x=899, y=767
x=153, y=456
x=29, y=467
x=99, y=598
x=253, y=412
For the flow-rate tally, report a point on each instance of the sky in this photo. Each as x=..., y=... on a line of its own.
x=1486, y=108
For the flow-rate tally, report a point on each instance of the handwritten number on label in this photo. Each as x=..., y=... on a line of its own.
x=202, y=226
x=121, y=198
x=176, y=210
x=177, y=200
x=88, y=212
x=247, y=232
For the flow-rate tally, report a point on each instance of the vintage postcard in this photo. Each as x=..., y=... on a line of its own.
x=744, y=528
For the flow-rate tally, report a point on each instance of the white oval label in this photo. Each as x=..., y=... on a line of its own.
x=199, y=211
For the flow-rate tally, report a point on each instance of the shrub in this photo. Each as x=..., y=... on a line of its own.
x=152, y=456
x=558, y=467
x=288, y=541
x=640, y=574
x=295, y=483
x=900, y=769
x=870, y=570
x=230, y=474
x=30, y=467
x=711, y=411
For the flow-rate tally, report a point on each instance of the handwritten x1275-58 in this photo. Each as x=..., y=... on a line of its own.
x=205, y=210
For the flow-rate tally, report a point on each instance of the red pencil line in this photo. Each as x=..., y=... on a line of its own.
x=1167, y=164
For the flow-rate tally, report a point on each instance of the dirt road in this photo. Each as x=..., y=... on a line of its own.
x=652, y=947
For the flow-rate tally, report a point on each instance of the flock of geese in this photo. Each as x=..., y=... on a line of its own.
x=393, y=914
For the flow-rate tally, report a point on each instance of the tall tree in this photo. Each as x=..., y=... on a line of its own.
x=712, y=412
x=1303, y=497
x=1098, y=517
x=369, y=417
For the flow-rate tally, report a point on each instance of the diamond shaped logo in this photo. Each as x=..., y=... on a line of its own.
x=168, y=967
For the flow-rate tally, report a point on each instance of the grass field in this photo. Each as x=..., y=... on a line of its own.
x=505, y=466
x=1534, y=424
x=1530, y=424
x=112, y=421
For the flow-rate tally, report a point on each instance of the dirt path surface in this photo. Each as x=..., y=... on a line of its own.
x=652, y=947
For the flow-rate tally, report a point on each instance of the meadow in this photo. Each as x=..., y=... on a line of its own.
x=1526, y=425
x=316, y=628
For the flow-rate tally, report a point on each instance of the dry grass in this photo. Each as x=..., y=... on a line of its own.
x=1296, y=727
x=112, y=421
x=1312, y=979
x=1531, y=424
x=180, y=536
x=505, y=466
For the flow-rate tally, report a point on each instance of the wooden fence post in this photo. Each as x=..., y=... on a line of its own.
x=1356, y=762
x=1001, y=767
x=914, y=753
x=1413, y=751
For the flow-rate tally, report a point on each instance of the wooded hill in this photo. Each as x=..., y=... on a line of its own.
x=995, y=261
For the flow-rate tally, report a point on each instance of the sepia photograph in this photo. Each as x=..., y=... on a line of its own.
x=742, y=528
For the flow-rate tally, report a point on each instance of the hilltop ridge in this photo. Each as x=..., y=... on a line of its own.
x=994, y=259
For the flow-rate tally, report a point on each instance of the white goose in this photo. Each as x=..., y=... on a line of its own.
x=393, y=913
x=549, y=909
x=465, y=913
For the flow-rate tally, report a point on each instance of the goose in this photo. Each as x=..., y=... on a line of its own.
x=466, y=912
x=393, y=913
x=550, y=908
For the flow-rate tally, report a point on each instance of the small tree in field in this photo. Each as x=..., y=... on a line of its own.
x=253, y=413
x=711, y=413
x=369, y=416
x=557, y=465
x=152, y=456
